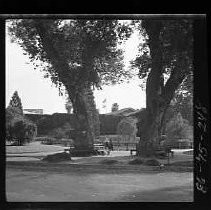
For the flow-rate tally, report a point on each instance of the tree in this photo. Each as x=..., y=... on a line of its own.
x=15, y=102
x=178, y=128
x=115, y=107
x=18, y=128
x=78, y=54
x=127, y=128
x=165, y=62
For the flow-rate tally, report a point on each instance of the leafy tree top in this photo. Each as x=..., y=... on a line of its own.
x=15, y=103
x=73, y=52
x=127, y=126
x=166, y=54
x=115, y=107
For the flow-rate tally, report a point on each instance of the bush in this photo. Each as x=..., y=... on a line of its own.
x=136, y=161
x=61, y=132
x=57, y=157
x=108, y=124
x=152, y=162
x=47, y=123
x=20, y=131
x=179, y=128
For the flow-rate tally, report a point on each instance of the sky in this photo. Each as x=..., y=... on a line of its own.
x=37, y=92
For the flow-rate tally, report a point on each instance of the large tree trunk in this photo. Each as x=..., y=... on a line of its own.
x=86, y=117
x=149, y=129
x=158, y=96
x=80, y=93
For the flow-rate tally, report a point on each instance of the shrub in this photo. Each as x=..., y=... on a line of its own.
x=179, y=128
x=20, y=131
x=57, y=157
x=47, y=123
x=152, y=162
x=61, y=132
x=127, y=128
x=136, y=161
x=108, y=124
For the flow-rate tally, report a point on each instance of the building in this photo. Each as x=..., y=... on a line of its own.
x=122, y=112
x=33, y=111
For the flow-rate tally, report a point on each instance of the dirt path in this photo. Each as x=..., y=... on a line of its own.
x=25, y=185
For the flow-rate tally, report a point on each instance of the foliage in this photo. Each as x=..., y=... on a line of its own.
x=127, y=127
x=21, y=131
x=167, y=46
x=115, y=107
x=18, y=128
x=179, y=128
x=47, y=123
x=108, y=124
x=73, y=52
x=61, y=132
x=15, y=103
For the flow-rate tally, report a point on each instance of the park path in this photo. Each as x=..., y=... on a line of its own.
x=30, y=186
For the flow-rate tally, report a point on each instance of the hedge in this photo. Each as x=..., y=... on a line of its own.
x=46, y=123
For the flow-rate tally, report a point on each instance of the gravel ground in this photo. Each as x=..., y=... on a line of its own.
x=85, y=179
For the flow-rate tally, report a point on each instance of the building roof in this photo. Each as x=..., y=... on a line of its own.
x=122, y=112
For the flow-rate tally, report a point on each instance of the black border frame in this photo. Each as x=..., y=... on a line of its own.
x=201, y=120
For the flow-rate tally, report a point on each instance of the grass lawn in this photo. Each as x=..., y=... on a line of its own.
x=33, y=147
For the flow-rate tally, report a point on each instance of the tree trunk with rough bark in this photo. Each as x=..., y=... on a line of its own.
x=85, y=118
x=158, y=95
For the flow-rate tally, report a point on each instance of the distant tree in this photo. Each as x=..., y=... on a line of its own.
x=15, y=102
x=18, y=128
x=178, y=128
x=127, y=129
x=60, y=132
x=20, y=131
x=115, y=107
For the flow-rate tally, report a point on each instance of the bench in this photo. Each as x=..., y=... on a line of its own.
x=133, y=150
x=99, y=149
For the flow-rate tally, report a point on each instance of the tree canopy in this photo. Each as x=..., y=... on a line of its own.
x=115, y=107
x=73, y=52
x=15, y=103
x=167, y=50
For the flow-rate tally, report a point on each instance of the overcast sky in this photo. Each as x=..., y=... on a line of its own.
x=37, y=92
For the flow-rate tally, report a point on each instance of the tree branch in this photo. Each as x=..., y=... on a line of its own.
x=178, y=74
